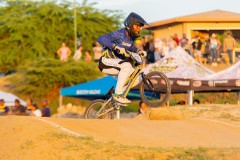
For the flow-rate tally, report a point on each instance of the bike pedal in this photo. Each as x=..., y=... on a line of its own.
x=122, y=104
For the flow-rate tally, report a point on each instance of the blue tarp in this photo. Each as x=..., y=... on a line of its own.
x=95, y=89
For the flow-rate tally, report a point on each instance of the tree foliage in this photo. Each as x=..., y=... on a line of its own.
x=34, y=30
x=45, y=77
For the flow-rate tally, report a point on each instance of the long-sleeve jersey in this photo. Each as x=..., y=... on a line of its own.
x=118, y=38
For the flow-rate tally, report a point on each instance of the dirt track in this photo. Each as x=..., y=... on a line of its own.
x=172, y=133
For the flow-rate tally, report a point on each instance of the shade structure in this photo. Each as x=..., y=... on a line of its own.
x=9, y=98
x=96, y=89
x=181, y=69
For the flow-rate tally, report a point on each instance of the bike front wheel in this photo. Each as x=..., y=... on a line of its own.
x=95, y=111
x=155, y=89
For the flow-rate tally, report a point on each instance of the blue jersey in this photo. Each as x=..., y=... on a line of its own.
x=119, y=38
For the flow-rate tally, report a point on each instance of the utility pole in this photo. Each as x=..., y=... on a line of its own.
x=75, y=26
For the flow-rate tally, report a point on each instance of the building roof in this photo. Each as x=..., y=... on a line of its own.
x=211, y=16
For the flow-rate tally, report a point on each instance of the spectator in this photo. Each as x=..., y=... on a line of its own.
x=181, y=102
x=215, y=45
x=184, y=43
x=196, y=46
x=176, y=39
x=78, y=54
x=207, y=48
x=165, y=48
x=17, y=109
x=158, y=49
x=172, y=43
x=229, y=45
x=151, y=49
x=143, y=45
x=196, y=102
x=45, y=109
x=64, y=52
x=97, y=52
x=29, y=106
x=35, y=111
x=88, y=57
x=3, y=109
x=142, y=108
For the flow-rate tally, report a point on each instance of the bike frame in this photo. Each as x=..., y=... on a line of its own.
x=129, y=84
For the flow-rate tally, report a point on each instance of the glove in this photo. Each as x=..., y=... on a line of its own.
x=142, y=53
x=121, y=50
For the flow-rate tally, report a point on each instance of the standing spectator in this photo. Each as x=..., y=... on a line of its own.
x=78, y=54
x=172, y=43
x=229, y=45
x=88, y=57
x=176, y=39
x=35, y=111
x=184, y=42
x=207, y=48
x=143, y=46
x=45, y=109
x=158, y=49
x=3, y=109
x=165, y=48
x=151, y=49
x=64, y=52
x=97, y=51
x=18, y=109
x=215, y=45
x=196, y=45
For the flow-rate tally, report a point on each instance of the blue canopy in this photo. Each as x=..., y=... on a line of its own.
x=95, y=89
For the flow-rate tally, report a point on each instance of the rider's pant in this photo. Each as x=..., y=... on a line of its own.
x=117, y=67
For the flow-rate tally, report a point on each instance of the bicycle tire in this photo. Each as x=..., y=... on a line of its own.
x=93, y=108
x=155, y=89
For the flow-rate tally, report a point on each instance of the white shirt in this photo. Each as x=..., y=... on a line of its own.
x=37, y=113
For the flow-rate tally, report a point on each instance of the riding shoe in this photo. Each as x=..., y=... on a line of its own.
x=121, y=99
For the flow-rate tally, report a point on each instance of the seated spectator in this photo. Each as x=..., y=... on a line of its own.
x=3, y=109
x=181, y=102
x=17, y=109
x=29, y=106
x=35, y=111
x=196, y=102
x=45, y=109
x=143, y=108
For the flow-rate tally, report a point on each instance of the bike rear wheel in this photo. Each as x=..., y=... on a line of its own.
x=155, y=89
x=93, y=110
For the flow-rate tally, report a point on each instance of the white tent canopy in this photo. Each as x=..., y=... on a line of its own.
x=179, y=64
x=181, y=69
x=9, y=99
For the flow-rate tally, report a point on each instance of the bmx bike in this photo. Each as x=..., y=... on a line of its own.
x=155, y=90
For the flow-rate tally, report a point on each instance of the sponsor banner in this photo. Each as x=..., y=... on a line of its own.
x=183, y=82
x=91, y=92
x=215, y=83
x=197, y=83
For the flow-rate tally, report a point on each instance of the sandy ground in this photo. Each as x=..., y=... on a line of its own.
x=34, y=138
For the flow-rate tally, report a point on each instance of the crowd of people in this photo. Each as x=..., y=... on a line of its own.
x=31, y=109
x=203, y=49
x=64, y=53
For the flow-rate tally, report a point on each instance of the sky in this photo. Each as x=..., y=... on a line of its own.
x=157, y=10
